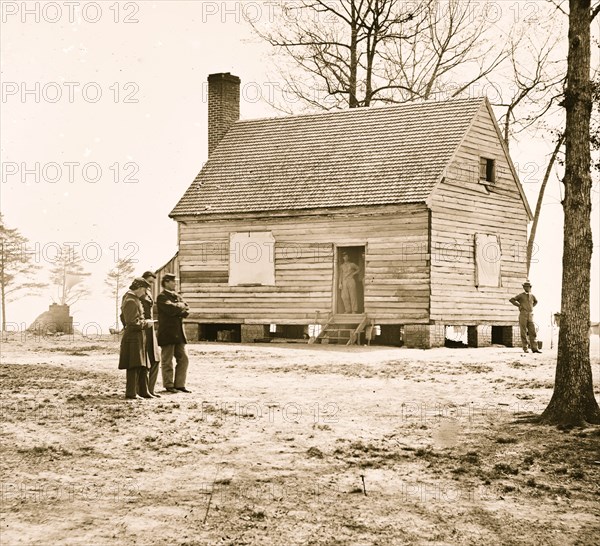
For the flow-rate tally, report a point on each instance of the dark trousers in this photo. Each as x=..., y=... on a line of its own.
x=153, y=376
x=153, y=359
x=136, y=382
x=167, y=352
x=527, y=327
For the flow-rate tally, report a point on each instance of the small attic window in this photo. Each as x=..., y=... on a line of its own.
x=487, y=170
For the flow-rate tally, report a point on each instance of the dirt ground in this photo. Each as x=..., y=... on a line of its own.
x=292, y=445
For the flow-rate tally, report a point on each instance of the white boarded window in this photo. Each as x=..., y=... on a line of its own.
x=488, y=257
x=251, y=258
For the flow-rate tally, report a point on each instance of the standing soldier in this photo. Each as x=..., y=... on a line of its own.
x=526, y=301
x=132, y=356
x=151, y=344
x=171, y=337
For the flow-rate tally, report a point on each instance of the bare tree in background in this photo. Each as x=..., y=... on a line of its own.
x=573, y=401
x=535, y=82
x=536, y=85
x=68, y=275
x=449, y=49
x=535, y=89
x=354, y=53
x=540, y=199
x=117, y=279
x=17, y=267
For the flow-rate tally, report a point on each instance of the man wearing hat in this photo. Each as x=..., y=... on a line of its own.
x=151, y=344
x=526, y=301
x=132, y=356
x=171, y=337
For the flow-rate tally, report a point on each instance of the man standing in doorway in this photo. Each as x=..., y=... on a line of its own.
x=348, y=272
x=526, y=301
x=171, y=337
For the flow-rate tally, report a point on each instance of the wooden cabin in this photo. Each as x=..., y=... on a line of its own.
x=423, y=197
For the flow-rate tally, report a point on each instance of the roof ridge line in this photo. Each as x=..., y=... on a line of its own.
x=353, y=111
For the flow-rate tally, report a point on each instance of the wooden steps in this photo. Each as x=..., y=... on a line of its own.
x=343, y=329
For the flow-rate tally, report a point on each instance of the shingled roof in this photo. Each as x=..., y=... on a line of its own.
x=365, y=156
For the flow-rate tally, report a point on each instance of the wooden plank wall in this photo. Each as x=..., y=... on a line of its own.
x=172, y=266
x=396, y=272
x=461, y=207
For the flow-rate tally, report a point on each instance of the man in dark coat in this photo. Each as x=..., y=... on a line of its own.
x=132, y=356
x=151, y=344
x=171, y=337
x=526, y=301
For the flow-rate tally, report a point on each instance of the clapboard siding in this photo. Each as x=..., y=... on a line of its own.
x=419, y=258
x=462, y=207
x=396, y=284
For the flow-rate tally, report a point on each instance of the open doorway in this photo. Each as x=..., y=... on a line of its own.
x=350, y=275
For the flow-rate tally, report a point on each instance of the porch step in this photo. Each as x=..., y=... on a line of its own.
x=343, y=329
x=347, y=319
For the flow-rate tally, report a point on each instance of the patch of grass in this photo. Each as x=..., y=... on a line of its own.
x=356, y=526
x=47, y=450
x=425, y=453
x=315, y=452
x=471, y=457
x=478, y=368
x=253, y=515
x=503, y=468
x=369, y=455
x=577, y=474
x=321, y=427
x=506, y=440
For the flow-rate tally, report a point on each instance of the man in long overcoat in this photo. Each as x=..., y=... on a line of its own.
x=151, y=343
x=132, y=356
x=171, y=336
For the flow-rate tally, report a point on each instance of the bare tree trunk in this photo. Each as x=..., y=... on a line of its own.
x=538, y=207
x=64, y=285
x=3, y=290
x=573, y=401
x=117, y=327
x=371, y=48
x=353, y=101
x=507, y=126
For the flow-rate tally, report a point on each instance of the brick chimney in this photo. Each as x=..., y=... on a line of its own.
x=223, y=106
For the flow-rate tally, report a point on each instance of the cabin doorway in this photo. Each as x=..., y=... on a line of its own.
x=350, y=276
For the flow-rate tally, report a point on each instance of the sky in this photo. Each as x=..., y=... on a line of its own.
x=103, y=126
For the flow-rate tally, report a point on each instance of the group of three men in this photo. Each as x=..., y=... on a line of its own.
x=139, y=353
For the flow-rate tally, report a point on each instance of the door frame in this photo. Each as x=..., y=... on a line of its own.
x=336, y=248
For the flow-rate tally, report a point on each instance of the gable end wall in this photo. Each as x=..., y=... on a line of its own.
x=462, y=207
